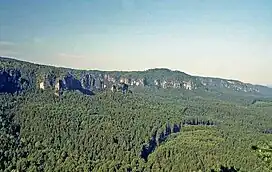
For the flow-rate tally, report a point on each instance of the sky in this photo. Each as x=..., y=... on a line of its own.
x=221, y=38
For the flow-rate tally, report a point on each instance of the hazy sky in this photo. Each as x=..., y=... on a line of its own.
x=225, y=38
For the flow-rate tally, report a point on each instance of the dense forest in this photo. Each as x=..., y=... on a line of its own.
x=152, y=129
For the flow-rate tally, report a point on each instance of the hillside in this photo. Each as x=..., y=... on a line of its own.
x=88, y=81
x=159, y=127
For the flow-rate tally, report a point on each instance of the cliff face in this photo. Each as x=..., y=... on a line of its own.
x=92, y=82
x=98, y=82
x=11, y=81
x=88, y=82
x=228, y=84
x=69, y=82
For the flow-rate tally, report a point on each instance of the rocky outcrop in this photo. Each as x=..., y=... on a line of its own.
x=87, y=84
x=11, y=81
x=157, y=83
x=87, y=81
x=48, y=81
x=109, y=78
x=113, y=88
x=97, y=81
x=70, y=82
x=67, y=82
x=99, y=84
x=138, y=82
x=58, y=87
x=189, y=85
x=122, y=87
x=216, y=83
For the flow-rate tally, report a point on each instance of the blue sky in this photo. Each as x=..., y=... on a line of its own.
x=226, y=38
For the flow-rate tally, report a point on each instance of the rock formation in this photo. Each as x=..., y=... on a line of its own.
x=113, y=88
x=124, y=88
x=11, y=81
x=87, y=81
x=92, y=81
x=68, y=82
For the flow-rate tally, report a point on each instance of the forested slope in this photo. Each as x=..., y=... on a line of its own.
x=107, y=132
x=152, y=129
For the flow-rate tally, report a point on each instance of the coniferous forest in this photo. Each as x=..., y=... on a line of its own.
x=145, y=130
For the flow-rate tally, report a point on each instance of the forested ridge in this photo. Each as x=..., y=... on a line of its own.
x=149, y=130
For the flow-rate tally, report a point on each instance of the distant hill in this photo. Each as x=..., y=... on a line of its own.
x=88, y=81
